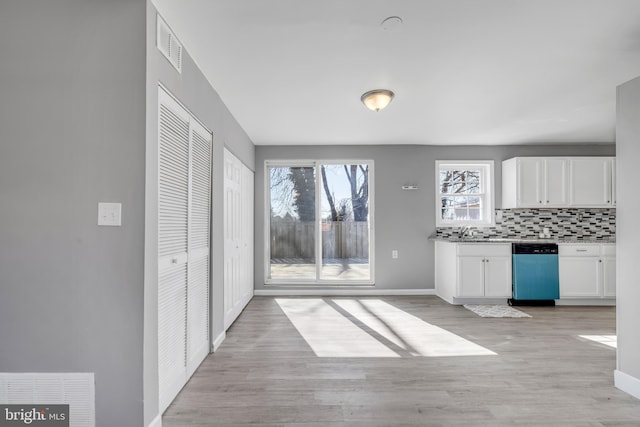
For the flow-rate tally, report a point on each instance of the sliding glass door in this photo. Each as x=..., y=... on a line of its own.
x=292, y=218
x=319, y=219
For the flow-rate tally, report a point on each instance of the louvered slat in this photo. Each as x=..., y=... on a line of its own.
x=172, y=303
x=201, y=189
x=198, y=311
x=173, y=182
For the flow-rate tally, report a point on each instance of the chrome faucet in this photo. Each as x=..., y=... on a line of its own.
x=464, y=231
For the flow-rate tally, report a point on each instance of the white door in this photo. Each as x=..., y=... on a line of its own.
x=232, y=238
x=497, y=273
x=173, y=223
x=590, y=180
x=556, y=182
x=614, y=200
x=470, y=276
x=529, y=182
x=609, y=276
x=238, y=232
x=579, y=276
x=247, y=233
x=184, y=195
x=199, y=247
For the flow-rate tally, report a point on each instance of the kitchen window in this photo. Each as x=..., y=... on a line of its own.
x=464, y=193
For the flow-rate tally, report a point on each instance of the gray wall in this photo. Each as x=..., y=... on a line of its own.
x=72, y=134
x=404, y=229
x=195, y=92
x=628, y=268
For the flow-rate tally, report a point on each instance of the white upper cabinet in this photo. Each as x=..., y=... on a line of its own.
x=534, y=182
x=528, y=184
x=556, y=182
x=590, y=181
x=613, y=182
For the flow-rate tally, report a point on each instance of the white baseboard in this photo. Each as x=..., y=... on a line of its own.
x=627, y=383
x=156, y=422
x=218, y=342
x=343, y=292
x=587, y=301
x=479, y=301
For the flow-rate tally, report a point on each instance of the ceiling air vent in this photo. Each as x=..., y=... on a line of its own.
x=168, y=44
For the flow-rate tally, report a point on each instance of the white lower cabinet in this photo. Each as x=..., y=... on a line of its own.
x=469, y=270
x=587, y=270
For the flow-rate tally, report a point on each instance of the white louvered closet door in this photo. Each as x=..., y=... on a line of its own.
x=238, y=232
x=199, y=226
x=184, y=188
x=173, y=223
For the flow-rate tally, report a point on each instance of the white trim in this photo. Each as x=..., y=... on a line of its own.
x=156, y=422
x=587, y=301
x=343, y=292
x=627, y=383
x=218, y=341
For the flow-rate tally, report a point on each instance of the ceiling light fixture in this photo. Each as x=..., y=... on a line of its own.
x=377, y=99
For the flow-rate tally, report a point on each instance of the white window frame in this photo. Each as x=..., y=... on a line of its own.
x=318, y=189
x=487, y=193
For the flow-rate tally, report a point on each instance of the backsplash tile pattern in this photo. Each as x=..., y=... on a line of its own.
x=578, y=224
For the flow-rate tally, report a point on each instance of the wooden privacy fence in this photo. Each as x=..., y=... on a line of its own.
x=294, y=239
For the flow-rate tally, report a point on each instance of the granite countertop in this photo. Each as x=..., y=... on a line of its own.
x=480, y=239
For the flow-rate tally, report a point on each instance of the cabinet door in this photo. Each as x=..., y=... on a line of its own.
x=556, y=182
x=590, y=181
x=497, y=274
x=613, y=183
x=609, y=276
x=470, y=276
x=579, y=276
x=529, y=182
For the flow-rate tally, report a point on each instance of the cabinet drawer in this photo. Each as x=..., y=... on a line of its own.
x=579, y=250
x=475, y=249
x=609, y=250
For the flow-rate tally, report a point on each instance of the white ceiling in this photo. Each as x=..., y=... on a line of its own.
x=464, y=71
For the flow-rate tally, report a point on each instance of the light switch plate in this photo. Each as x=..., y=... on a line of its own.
x=110, y=214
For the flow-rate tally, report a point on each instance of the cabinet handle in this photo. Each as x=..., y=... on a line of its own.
x=599, y=260
x=547, y=201
x=581, y=250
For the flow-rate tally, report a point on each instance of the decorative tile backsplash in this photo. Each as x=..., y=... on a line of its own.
x=562, y=223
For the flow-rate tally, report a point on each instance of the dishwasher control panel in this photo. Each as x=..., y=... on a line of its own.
x=534, y=248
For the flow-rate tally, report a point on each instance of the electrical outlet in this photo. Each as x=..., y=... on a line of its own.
x=394, y=254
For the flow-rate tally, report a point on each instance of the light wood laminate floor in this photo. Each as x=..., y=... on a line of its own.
x=443, y=365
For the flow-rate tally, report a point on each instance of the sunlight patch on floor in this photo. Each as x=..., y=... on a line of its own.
x=608, y=340
x=371, y=328
x=329, y=333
